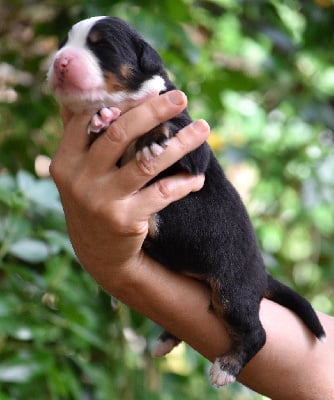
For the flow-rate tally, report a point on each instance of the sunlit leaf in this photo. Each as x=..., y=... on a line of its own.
x=17, y=373
x=30, y=250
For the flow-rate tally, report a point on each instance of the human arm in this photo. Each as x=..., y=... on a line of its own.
x=107, y=217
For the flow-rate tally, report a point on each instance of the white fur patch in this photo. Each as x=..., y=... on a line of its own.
x=218, y=376
x=78, y=34
x=91, y=94
x=323, y=339
x=154, y=85
x=77, y=37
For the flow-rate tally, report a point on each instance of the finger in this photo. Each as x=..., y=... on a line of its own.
x=66, y=115
x=75, y=138
x=136, y=174
x=166, y=191
x=72, y=148
x=110, y=146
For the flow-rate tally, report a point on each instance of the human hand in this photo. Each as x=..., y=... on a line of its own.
x=107, y=208
x=107, y=216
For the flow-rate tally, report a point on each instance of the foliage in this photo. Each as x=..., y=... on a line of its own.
x=261, y=72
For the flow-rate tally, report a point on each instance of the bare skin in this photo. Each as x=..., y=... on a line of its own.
x=107, y=206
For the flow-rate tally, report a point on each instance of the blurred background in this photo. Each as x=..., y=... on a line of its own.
x=262, y=74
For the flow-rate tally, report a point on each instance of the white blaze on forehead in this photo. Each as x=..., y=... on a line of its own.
x=84, y=85
x=77, y=36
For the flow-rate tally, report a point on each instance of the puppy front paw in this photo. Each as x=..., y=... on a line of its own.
x=152, y=144
x=102, y=120
x=164, y=344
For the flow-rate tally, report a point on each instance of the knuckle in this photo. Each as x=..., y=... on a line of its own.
x=163, y=189
x=115, y=133
x=134, y=229
x=183, y=141
x=148, y=168
x=53, y=169
x=157, y=111
x=118, y=217
x=124, y=224
x=57, y=171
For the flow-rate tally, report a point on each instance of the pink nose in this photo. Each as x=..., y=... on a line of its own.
x=75, y=68
x=62, y=62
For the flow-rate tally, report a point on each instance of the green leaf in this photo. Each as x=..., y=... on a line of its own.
x=59, y=241
x=6, y=197
x=30, y=250
x=18, y=373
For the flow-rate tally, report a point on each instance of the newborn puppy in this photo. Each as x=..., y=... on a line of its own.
x=105, y=66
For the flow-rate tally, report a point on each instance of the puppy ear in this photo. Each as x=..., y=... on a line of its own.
x=149, y=60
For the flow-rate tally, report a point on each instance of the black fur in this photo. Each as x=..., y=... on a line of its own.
x=208, y=233
x=118, y=43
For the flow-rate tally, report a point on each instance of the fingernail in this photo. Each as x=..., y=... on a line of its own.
x=176, y=97
x=201, y=126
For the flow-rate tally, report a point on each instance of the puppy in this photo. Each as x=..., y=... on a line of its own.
x=105, y=66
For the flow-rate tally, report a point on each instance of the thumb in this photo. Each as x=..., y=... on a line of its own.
x=66, y=115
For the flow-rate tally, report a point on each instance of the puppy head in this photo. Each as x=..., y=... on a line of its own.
x=104, y=62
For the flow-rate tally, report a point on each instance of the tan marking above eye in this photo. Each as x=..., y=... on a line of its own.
x=125, y=71
x=220, y=305
x=112, y=84
x=94, y=36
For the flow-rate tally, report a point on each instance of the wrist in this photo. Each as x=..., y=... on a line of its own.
x=122, y=281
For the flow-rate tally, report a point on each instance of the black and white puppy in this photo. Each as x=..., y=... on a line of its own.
x=105, y=66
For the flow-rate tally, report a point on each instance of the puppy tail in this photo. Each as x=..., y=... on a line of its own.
x=286, y=297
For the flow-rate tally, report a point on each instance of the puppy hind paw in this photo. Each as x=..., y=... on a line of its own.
x=220, y=376
x=102, y=119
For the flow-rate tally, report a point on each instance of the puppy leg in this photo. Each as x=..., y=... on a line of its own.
x=164, y=344
x=153, y=143
x=244, y=327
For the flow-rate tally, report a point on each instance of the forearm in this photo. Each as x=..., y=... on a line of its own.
x=292, y=365
x=107, y=212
